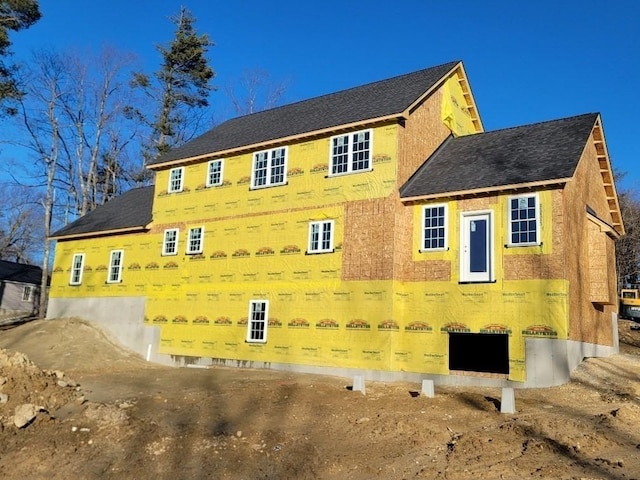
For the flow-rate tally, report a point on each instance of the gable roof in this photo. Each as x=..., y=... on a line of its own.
x=20, y=272
x=546, y=152
x=130, y=211
x=378, y=100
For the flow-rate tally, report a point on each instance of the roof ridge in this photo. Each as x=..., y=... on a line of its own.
x=344, y=90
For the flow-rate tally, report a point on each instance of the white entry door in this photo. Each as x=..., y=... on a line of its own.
x=476, y=247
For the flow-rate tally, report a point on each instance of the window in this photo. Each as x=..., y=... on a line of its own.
x=524, y=220
x=115, y=266
x=27, y=293
x=321, y=237
x=194, y=244
x=351, y=152
x=257, y=325
x=269, y=168
x=176, y=179
x=476, y=247
x=434, y=228
x=214, y=173
x=76, y=269
x=170, y=243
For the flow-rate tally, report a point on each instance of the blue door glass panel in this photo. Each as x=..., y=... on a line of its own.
x=478, y=261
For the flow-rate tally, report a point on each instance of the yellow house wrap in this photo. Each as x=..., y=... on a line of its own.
x=314, y=248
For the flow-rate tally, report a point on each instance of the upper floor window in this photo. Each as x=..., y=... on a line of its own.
x=524, y=220
x=176, y=180
x=76, y=269
x=115, y=266
x=258, y=318
x=194, y=243
x=269, y=168
x=170, y=242
x=351, y=152
x=321, y=237
x=214, y=173
x=434, y=228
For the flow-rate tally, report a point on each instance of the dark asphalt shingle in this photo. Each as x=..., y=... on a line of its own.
x=374, y=100
x=129, y=210
x=538, y=152
x=20, y=272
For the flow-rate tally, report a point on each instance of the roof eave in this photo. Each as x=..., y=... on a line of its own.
x=98, y=233
x=493, y=189
x=278, y=141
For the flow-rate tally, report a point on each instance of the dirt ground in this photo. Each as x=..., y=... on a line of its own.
x=101, y=412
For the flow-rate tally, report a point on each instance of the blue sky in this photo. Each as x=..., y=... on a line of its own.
x=527, y=61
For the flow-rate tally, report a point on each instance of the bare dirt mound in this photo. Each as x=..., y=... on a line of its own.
x=108, y=414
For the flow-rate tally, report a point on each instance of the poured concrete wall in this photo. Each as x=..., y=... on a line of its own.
x=121, y=317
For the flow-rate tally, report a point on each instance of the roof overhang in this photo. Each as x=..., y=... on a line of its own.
x=607, y=176
x=279, y=141
x=604, y=226
x=115, y=231
x=488, y=190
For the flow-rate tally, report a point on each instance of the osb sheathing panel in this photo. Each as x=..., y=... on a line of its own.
x=422, y=134
x=588, y=322
x=367, y=252
x=547, y=266
x=598, y=265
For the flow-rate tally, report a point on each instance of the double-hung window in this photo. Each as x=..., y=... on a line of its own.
x=258, y=318
x=214, y=173
x=524, y=220
x=434, y=228
x=176, y=180
x=115, y=266
x=351, y=152
x=320, y=237
x=76, y=269
x=27, y=293
x=196, y=237
x=269, y=168
x=170, y=242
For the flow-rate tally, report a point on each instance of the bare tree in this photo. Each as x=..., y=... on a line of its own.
x=254, y=91
x=73, y=124
x=628, y=246
x=20, y=225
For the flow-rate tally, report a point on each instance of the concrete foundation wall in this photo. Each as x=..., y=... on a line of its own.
x=121, y=317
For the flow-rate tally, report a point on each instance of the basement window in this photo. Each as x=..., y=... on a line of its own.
x=479, y=352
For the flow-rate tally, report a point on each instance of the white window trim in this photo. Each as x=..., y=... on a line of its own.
x=27, y=293
x=269, y=168
x=538, y=222
x=80, y=269
x=350, y=169
x=465, y=275
x=209, y=165
x=111, y=266
x=446, y=228
x=164, y=241
x=321, y=223
x=199, y=250
x=250, y=321
x=170, y=185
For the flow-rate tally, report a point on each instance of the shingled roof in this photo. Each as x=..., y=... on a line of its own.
x=20, y=272
x=131, y=210
x=536, y=153
x=374, y=100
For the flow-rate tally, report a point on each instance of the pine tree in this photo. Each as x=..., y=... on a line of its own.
x=178, y=91
x=15, y=15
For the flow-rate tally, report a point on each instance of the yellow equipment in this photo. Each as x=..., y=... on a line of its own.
x=630, y=305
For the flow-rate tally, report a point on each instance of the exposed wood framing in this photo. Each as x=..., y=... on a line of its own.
x=607, y=176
